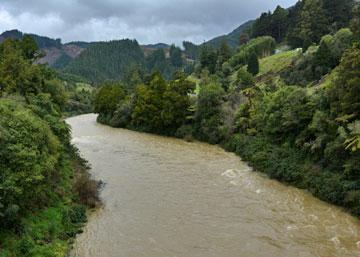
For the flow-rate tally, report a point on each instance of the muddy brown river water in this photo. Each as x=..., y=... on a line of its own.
x=165, y=197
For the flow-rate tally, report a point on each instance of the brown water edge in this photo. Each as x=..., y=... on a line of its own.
x=165, y=197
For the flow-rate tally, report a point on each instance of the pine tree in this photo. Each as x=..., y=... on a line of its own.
x=279, y=23
x=338, y=12
x=176, y=56
x=224, y=52
x=208, y=58
x=313, y=22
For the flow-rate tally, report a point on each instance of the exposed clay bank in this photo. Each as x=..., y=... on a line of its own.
x=166, y=197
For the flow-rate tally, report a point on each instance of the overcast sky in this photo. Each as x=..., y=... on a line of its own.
x=148, y=21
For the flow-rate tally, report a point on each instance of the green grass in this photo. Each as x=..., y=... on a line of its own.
x=277, y=62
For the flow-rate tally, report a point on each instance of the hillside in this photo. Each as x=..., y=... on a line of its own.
x=233, y=38
x=106, y=60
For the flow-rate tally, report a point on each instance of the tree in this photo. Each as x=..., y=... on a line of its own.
x=29, y=155
x=208, y=112
x=355, y=22
x=279, y=23
x=208, y=58
x=17, y=72
x=191, y=50
x=108, y=97
x=224, y=53
x=293, y=38
x=29, y=48
x=345, y=92
x=56, y=89
x=133, y=76
x=161, y=107
x=176, y=56
x=244, y=79
x=261, y=26
x=285, y=113
x=157, y=61
x=313, y=23
x=338, y=12
x=253, y=64
x=324, y=60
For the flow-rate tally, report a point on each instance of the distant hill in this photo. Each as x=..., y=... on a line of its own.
x=106, y=60
x=232, y=38
x=98, y=61
x=151, y=48
x=192, y=51
x=57, y=54
x=157, y=46
x=43, y=42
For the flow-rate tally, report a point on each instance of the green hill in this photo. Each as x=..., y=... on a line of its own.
x=106, y=60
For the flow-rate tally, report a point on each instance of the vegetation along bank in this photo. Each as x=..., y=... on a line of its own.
x=45, y=187
x=287, y=99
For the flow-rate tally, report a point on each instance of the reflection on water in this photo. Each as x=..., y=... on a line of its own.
x=169, y=198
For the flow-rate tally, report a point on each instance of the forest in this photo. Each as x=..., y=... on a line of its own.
x=287, y=99
x=120, y=59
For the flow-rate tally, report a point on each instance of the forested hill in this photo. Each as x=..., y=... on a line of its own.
x=233, y=38
x=107, y=60
x=41, y=41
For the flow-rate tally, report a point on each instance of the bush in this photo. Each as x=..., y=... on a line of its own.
x=208, y=120
x=108, y=97
x=29, y=153
x=244, y=79
x=87, y=189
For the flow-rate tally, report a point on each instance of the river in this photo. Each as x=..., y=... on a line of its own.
x=165, y=197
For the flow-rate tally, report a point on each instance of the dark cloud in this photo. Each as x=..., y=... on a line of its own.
x=149, y=21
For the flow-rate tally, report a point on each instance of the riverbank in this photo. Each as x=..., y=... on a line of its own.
x=305, y=135
x=288, y=165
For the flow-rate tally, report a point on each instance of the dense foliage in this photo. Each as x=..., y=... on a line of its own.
x=41, y=207
x=293, y=114
x=157, y=106
x=106, y=60
x=306, y=22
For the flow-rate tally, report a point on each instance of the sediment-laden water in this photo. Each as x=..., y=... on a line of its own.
x=165, y=197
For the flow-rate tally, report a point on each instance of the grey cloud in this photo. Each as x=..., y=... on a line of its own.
x=149, y=21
